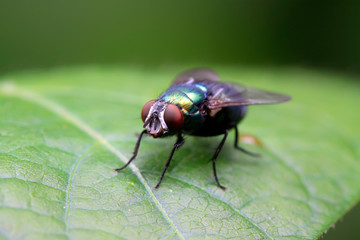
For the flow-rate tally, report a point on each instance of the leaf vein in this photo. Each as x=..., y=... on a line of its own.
x=69, y=186
x=11, y=90
x=260, y=229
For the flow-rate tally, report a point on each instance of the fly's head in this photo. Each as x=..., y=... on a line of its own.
x=161, y=118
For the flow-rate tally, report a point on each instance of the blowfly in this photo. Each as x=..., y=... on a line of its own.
x=198, y=104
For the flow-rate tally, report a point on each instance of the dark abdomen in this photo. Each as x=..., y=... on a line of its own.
x=226, y=118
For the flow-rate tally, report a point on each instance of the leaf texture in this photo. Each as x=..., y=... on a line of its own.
x=62, y=132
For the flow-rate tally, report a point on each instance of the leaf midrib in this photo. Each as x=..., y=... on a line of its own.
x=10, y=89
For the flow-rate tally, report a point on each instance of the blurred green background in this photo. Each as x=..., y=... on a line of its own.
x=312, y=34
x=40, y=33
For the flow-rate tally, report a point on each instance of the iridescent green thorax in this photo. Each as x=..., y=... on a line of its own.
x=188, y=98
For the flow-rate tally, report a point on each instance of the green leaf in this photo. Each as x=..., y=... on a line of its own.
x=62, y=132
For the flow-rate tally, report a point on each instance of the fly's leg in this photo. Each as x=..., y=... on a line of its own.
x=135, y=152
x=179, y=142
x=240, y=148
x=216, y=155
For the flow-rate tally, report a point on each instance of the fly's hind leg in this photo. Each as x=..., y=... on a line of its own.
x=240, y=148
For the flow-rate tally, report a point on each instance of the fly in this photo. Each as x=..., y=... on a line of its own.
x=198, y=104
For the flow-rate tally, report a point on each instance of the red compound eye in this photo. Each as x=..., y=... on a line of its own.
x=173, y=117
x=146, y=109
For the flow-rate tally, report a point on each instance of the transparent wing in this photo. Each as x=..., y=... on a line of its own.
x=197, y=74
x=229, y=94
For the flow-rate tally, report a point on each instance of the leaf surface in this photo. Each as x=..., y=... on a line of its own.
x=62, y=132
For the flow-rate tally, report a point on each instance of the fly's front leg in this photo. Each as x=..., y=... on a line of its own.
x=216, y=155
x=179, y=142
x=135, y=152
x=240, y=148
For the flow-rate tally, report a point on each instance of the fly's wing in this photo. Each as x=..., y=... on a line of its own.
x=224, y=94
x=229, y=94
x=197, y=74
